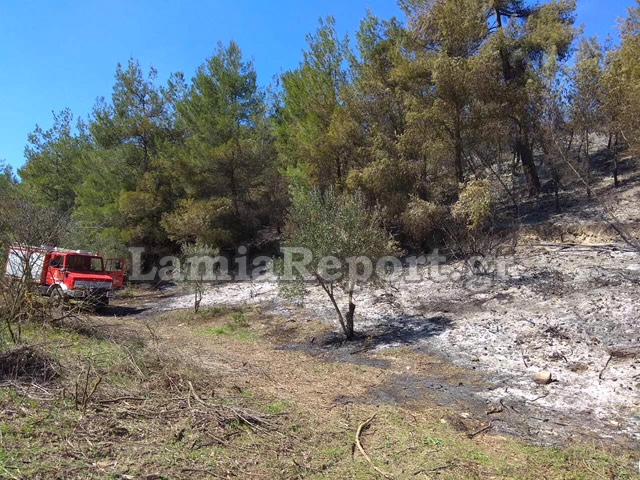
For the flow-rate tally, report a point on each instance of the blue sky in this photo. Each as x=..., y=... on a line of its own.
x=63, y=53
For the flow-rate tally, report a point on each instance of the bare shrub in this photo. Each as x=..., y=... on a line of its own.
x=26, y=225
x=194, y=275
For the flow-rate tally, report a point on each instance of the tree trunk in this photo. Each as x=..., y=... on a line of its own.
x=329, y=291
x=587, y=164
x=349, y=331
x=616, y=182
x=457, y=140
x=525, y=151
x=458, y=160
x=234, y=191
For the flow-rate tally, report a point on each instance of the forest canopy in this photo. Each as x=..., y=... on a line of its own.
x=459, y=100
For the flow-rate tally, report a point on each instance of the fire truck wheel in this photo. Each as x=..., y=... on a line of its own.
x=57, y=296
x=103, y=302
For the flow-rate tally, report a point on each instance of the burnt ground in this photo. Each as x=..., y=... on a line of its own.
x=479, y=399
x=570, y=310
x=567, y=309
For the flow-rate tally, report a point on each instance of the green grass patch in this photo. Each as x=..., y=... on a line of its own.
x=237, y=327
x=204, y=314
x=433, y=442
x=277, y=407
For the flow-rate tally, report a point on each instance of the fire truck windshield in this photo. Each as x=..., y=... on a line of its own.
x=81, y=263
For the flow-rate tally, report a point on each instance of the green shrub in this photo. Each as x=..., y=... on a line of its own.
x=474, y=206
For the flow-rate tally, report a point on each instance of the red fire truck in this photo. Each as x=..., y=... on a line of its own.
x=67, y=274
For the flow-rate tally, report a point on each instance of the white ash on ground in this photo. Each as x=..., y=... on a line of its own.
x=562, y=309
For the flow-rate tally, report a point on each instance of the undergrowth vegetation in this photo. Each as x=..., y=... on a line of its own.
x=212, y=394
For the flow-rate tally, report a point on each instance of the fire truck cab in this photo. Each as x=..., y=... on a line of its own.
x=67, y=274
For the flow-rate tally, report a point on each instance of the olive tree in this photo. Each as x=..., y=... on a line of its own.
x=345, y=239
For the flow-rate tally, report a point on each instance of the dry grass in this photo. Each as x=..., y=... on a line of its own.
x=213, y=395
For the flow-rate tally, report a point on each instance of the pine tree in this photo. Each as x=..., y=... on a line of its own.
x=126, y=134
x=226, y=156
x=7, y=179
x=524, y=38
x=622, y=82
x=383, y=167
x=448, y=36
x=51, y=173
x=312, y=142
x=586, y=97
